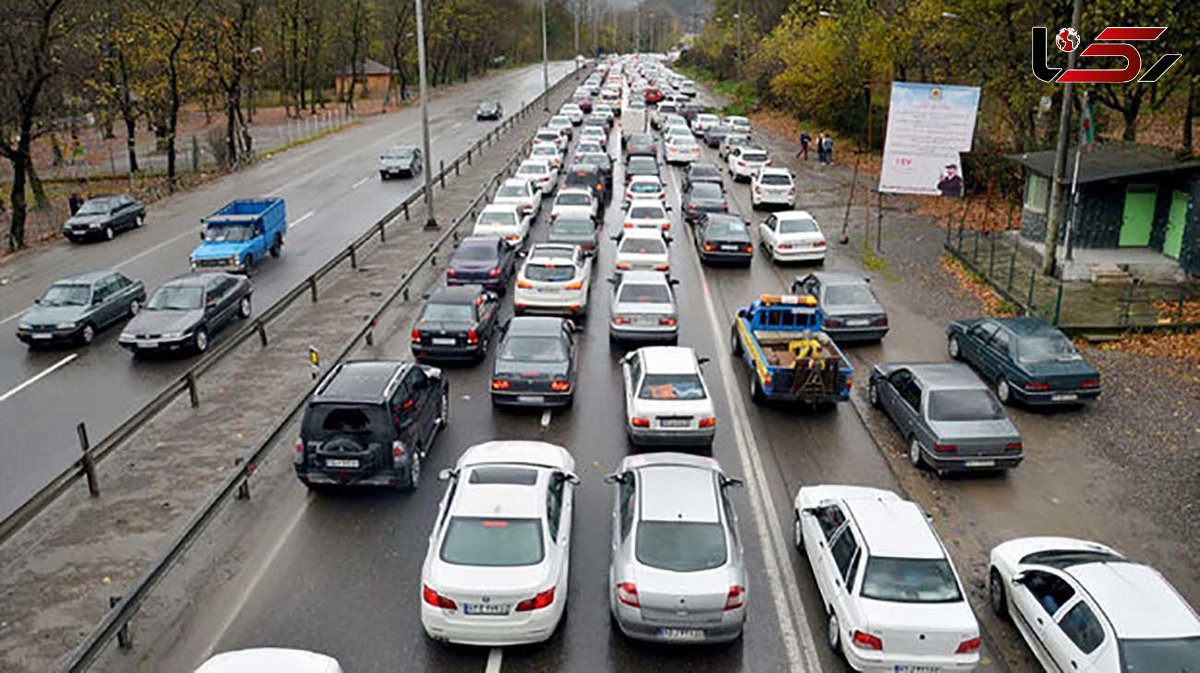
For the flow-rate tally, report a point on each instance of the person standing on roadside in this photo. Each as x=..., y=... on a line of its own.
x=805, y=139
x=828, y=146
x=821, y=148
x=74, y=201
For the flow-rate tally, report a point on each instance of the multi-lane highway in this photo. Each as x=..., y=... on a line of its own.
x=333, y=194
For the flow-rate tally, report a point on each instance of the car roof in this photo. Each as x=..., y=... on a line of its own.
x=646, y=178
x=954, y=375
x=753, y=148
x=640, y=232
x=85, y=277
x=1028, y=326
x=644, y=203
x=678, y=491
x=894, y=528
x=574, y=190
x=517, y=452
x=702, y=167
x=540, y=162
x=501, y=500
x=260, y=659
x=837, y=277
x=669, y=360
x=458, y=294
x=360, y=381
x=516, y=182
x=774, y=170
x=483, y=240
x=535, y=326
x=641, y=159
x=191, y=280
x=643, y=278
x=502, y=207
x=1137, y=600
x=795, y=215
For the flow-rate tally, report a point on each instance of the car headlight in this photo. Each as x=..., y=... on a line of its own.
x=24, y=326
x=233, y=259
x=93, y=225
x=65, y=325
x=172, y=335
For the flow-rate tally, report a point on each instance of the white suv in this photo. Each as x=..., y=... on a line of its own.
x=773, y=186
x=894, y=600
x=555, y=278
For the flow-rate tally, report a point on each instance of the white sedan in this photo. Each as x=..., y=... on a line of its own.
x=259, y=659
x=683, y=150
x=555, y=278
x=504, y=220
x=792, y=236
x=703, y=122
x=666, y=400
x=497, y=569
x=573, y=112
x=894, y=600
x=774, y=186
x=738, y=124
x=648, y=214
x=548, y=152
x=642, y=250
x=575, y=202
x=541, y=173
x=1081, y=606
x=520, y=193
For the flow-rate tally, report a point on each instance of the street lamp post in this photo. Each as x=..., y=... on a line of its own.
x=545, y=63
x=430, y=220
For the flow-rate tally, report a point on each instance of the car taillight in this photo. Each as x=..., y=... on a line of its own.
x=741, y=163
x=416, y=335
x=792, y=191
x=397, y=449
x=768, y=163
x=620, y=320
x=1041, y=387
x=495, y=273
x=708, y=422
x=437, y=600
x=692, y=205
x=574, y=285
x=747, y=248
x=662, y=196
x=639, y=422
x=553, y=216
x=623, y=266
x=757, y=189
x=560, y=386
x=669, y=322
x=500, y=384
x=513, y=238
x=725, y=207
x=524, y=284
x=666, y=226
x=538, y=602
x=736, y=597
x=628, y=196
x=1091, y=383
x=819, y=244
x=945, y=448
x=662, y=267
x=299, y=458
x=880, y=322
x=472, y=336
x=1013, y=446
x=709, y=247
x=450, y=273
x=968, y=646
x=629, y=225
x=784, y=246
x=867, y=641
x=627, y=594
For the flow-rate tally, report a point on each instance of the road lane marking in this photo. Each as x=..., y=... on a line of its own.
x=546, y=419
x=495, y=659
x=41, y=375
x=296, y=222
x=13, y=317
x=160, y=246
x=785, y=591
x=360, y=183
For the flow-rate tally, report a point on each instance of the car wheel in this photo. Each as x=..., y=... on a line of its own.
x=414, y=471
x=134, y=307
x=914, y=453
x=873, y=394
x=797, y=533
x=953, y=348
x=200, y=341
x=757, y=395
x=735, y=342
x=277, y=246
x=1003, y=390
x=109, y=233
x=249, y=263
x=244, y=307
x=833, y=633
x=87, y=334
x=997, y=599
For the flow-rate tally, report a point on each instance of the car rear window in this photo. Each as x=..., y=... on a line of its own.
x=719, y=228
x=562, y=226
x=904, y=580
x=576, y=199
x=848, y=295
x=672, y=387
x=559, y=273
x=801, y=225
x=475, y=252
x=495, y=217
x=707, y=190
x=1159, y=654
x=533, y=349
x=754, y=156
x=641, y=293
x=511, y=190
x=646, y=213
x=775, y=179
x=1046, y=349
x=964, y=405
x=643, y=246
x=448, y=313
x=642, y=165
x=533, y=169
x=323, y=421
x=645, y=188
x=681, y=546
x=476, y=541
x=503, y=474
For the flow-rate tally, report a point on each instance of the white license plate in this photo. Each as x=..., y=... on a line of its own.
x=341, y=462
x=443, y=342
x=858, y=323
x=681, y=634
x=485, y=609
x=674, y=422
x=734, y=248
x=41, y=335
x=980, y=463
x=147, y=343
x=531, y=399
x=916, y=669
x=1064, y=397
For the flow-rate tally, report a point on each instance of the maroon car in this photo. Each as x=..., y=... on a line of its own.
x=584, y=104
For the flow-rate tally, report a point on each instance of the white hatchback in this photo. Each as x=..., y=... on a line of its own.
x=744, y=162
x=497, y=569
x=666, y=399
x=774, y=186
x=504, y=220
x=792, y=236
x=647, y=214
x=681, y=150
x=894, y=599
x=520, y=193
x=541, y=173
x=645, y=187
x=555, y=278
x=642, y=250
x=573, y=112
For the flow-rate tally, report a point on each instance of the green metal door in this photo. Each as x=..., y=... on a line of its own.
x=1173, y=243
x=1139, y=215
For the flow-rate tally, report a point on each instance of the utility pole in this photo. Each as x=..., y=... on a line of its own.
x=637, y=28
x=427, y=168
x=545, y=63
x=1054, y=216
x=575, y=11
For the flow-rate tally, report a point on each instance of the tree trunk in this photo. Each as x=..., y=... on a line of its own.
x=1130, y=116
x=172, y=121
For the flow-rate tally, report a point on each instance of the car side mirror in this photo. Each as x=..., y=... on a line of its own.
x=616, y=478
x=741, y=313
x=611, y=281
x=670, y=208
x=447, y=474
x=673, y=282
x=96, y=301
x=731, y=481
x=37, y=302
x=1020, y=578
x=703, y=361
x=571, y=477
x=202, y=234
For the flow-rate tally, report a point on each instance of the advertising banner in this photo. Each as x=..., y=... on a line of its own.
x=928, y=126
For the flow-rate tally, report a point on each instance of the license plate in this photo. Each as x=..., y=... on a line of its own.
x=531, y=399
x=443, y=342
x=1064, y=397
x=734, y=248
x=41, y=335
x=980, y=463
x=341, y=462
x=681, y=634
x=674, y=422
x=485, y=609
x=857, y=323
x=916, y=669
x=148, y=343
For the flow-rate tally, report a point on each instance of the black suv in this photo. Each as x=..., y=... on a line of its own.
x=586, y=176
x=372, y=422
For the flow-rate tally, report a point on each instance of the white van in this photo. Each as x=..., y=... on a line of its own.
x=633, y=120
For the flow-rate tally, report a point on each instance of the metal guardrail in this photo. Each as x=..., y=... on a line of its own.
x=116, y=621
x=186, y=382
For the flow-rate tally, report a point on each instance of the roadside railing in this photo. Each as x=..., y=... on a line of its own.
x=91, y=454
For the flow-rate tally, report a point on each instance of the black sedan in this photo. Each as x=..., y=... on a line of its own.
x=1028, y=360
x=852, y=312
x=604, y=163
x=75, y=308
x=704, y=198
x=723, y=238
x=574, y=230
x=184, y=313
x=456, y=323
x=701, y=171
x=489, y=109
x=482, y=260
x=535, y=364
x=104, y=216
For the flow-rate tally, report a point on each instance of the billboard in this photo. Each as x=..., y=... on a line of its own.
x=928, y=126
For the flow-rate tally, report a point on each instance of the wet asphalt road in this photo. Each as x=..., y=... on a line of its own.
x=341, y=573
x=333, y=194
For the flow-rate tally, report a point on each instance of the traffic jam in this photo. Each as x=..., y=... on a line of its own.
x=629, y=184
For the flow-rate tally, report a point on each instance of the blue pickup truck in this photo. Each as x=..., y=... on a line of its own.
x=789, y=355
x=240, y=235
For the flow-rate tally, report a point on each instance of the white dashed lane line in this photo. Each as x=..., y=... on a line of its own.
x=495, y=659
x=39, y=376
x=360, y=183
x=296, y=222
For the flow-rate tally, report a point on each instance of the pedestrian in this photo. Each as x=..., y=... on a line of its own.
x=828, y=150
x=805, y=139
x=821, y=148
x=74, y=201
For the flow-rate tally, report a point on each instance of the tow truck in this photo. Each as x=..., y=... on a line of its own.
x=782, y=340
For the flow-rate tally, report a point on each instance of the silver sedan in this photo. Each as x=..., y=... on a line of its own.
x=677, y=573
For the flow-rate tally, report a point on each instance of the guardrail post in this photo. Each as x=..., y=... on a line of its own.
x=262, y=332
x=442, y=172
x=469, y=156
x=87, y=462
x=975, y=254
x=456, y=165
x=433, y=259
x=405, y=293
x=1058, y=298
x=353, y=257
x=991, y=254
x=243, y=489
x=312, y=285
x=124, y=638
x=191, y=386
x=406, y=218
x=371, y=333
x=1012, y=266
x=383, y=227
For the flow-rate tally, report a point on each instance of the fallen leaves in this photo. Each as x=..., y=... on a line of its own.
x=993, y=304
x=1183, y=346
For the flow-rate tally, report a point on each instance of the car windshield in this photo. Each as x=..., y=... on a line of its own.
x=848, y=295
x=67, y=295
x=909, y=580
x=533, y=169
x=401, y=153
x=557, y=273
x=736, y=141
x=545, y=151
x=562, y=226
x=672, y=387
x=964, y=405
x=1046, y=349
x=799, y=225
x=475, y=541
x=533, y=349
x=510, y=191
x=1159, y=655
x=643, y=246
x=681, y=546
x=644, y=293
x=706, y=190
x=646, y=213
x=96, y=207
x=642, y=165
x=588, y=148
x=232, y=233
x=573, y=199
x=775, y=179
x=448, y=313
x=645, y=188
x=498, y=217
x=176, y=298
x=476, y=253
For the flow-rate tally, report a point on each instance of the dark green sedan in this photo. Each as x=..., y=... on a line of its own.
x=1026, y=359
x=75, y=308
